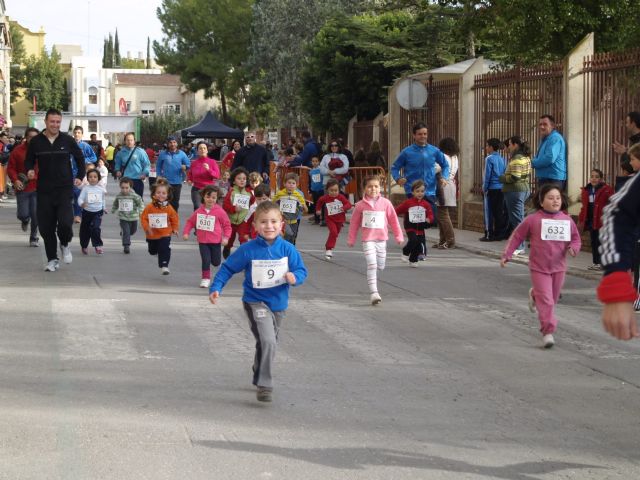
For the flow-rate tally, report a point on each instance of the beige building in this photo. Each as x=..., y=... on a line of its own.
x=5, y=66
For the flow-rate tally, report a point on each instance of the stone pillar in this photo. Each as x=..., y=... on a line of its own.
x=573, y=126
x=394, y=147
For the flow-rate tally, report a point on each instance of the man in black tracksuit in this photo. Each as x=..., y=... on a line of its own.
x=253, y=157
x=51, y=151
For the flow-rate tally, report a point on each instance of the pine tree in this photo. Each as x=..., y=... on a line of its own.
x=117, y=59
x=104, y=54
x=148, y=65
x=110, y=52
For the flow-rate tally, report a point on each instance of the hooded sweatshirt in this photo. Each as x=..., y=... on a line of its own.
x=211, y=225
x=367, y=215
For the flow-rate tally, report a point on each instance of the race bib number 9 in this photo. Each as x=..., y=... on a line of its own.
x=125, y=205
x=559, y=230
x=334, y=208
x=315, y=178
x=158, y=220
x=288, y=205
x=417, y=215
x=94, y=198
x=241, y=201
x=269, y=273
x=373, y=219
x=205, y=222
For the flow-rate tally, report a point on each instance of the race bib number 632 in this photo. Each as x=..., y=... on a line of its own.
x=559, y=230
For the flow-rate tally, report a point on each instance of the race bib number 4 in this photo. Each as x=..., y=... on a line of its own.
x=241, y=201
x=417, y=215
x=559, y=230
x=158, y=220
x=125, y=205
x=94, y=198
x=334, y=208
x=269, y=273
x=288, y=205
x=372, y=219
x=205, y=222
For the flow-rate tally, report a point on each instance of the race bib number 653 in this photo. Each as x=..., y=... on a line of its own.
x=269, y=273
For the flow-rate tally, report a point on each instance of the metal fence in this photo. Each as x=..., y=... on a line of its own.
x=362, y=135
x=510, y=103
x=611, y=91
x=441, y=114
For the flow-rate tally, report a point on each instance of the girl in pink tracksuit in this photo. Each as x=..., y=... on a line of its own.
x=373, y=215
x=552, y=234
x=213, y=229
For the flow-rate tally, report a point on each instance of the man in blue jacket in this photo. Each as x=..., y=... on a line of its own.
x=309, y=151
x=173, y=164
x=550, y=163
x=492, y=188
x=418, y=162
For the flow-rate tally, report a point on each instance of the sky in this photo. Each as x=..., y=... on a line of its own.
x=87, y=22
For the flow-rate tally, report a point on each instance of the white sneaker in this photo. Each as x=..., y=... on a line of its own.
x=532, y=301
x=404, y=258
x=52, y=266
x=328, y=254
x=375, y=298
x=519, y=251
x=413, y=264
x=547, y=341
x=165, y=270
x=66, y=254
x=204, y=283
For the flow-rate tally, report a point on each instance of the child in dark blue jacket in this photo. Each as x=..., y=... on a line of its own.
x=270, y=265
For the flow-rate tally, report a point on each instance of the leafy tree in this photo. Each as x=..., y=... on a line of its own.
x=44, y=79
x=353, y=60
x=132, y=63
x=18, y=56
x=209, y=53
x=155, y=128
x=280, y=32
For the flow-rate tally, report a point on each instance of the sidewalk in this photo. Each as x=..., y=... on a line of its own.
x=469, y=241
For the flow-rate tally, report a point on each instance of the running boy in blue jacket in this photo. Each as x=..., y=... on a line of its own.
x=270, y=265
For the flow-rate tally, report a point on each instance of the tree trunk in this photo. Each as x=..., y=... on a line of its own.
x=471, y=45
x=223, y=104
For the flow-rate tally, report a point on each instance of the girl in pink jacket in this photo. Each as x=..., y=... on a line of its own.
x=373, y=215
x=213, y=229
x=552, y=234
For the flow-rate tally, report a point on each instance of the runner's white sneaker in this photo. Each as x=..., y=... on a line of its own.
x=404, y=258
x=204, y=283
x=375, y=298
x=52, y=266
x=328, y=254
x=547, y=341
x=66, y=254
x=165, y=270
x=413, y=264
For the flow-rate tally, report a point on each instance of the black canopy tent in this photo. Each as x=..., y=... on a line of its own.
x=210, y=127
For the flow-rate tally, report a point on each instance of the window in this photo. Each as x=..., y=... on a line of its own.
x=147, y=108
x=93, y=96
x=172, y=108
x=93, y=126
x=128, y=106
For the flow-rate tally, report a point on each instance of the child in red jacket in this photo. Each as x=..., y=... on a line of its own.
x=595, y=196
x=418, y=215
x=336, y=206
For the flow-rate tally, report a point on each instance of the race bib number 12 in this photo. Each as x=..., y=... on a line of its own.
x=269, y=273
x=559, y=230
x=125, y=205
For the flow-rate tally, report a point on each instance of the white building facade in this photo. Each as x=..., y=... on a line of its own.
x=5, y=68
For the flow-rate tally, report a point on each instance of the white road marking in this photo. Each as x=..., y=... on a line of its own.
x=93, y=330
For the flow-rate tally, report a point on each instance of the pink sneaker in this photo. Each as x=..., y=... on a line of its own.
x=99, y=250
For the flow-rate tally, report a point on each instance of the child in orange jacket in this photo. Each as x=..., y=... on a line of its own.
x=159, y=220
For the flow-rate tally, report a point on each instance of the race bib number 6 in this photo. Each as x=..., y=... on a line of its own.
x=158, y=220
x=205, y=222
x=269, y=273
x=558, y=230
x=373, y=219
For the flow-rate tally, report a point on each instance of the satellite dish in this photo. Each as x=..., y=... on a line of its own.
x=411, y=94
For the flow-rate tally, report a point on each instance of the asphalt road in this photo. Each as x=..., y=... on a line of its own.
x=109, y=370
